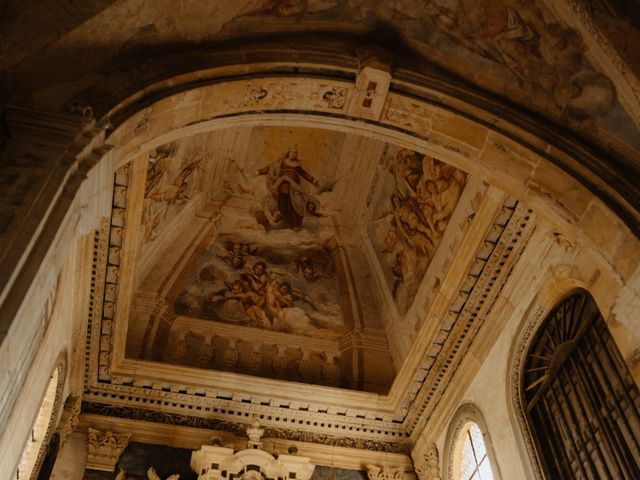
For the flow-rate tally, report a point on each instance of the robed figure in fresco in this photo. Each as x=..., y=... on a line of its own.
x=290, y=199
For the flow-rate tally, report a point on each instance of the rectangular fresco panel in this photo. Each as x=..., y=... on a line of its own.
x=267, y=280
x=417, y=197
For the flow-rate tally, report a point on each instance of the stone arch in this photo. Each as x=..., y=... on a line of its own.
x=547, y=300
x=512, y=151
x=168, y=111
x=524, y=163
x=466, y=414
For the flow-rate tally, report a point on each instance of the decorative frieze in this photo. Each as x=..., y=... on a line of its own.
x=169, y=418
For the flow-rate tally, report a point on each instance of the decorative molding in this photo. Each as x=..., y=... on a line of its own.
x=96, y=298
x=61, y=366
x=494, y=260
x=104, y=449
x=112, y=275
x=239, y=429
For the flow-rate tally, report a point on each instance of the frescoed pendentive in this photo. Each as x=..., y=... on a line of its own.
x=266, y=281
x=418, y=195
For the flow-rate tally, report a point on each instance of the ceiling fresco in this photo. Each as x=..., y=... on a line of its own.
x=279, y=282
x=270, y=282
x=171, y=181
x=418, y=194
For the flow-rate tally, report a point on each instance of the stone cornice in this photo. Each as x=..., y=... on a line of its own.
x=182, y=436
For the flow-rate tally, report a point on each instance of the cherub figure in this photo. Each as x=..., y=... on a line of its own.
x=307, y=267
x=236, y=254
x=281, y=295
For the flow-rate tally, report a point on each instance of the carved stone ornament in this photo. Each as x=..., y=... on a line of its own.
x=250, y=464
x=428, y=467
x=254, y=432
x=69, y=420
x=375, y=472
x=104, y=449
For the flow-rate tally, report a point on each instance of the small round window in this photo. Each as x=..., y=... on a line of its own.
x=473, y=460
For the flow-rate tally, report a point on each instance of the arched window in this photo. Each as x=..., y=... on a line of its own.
x=474, y=461
x=582, y=405
x=41, y=433
x=468, y=450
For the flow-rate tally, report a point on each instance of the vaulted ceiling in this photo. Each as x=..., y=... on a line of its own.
x=244, y=262
x=278, y=246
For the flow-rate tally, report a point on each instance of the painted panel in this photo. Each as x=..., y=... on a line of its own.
x=417, y=196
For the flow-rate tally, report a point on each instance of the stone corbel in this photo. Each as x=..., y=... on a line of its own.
x=427, y=465
x=104, y=449
x=254, y=432
x=69, y=420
